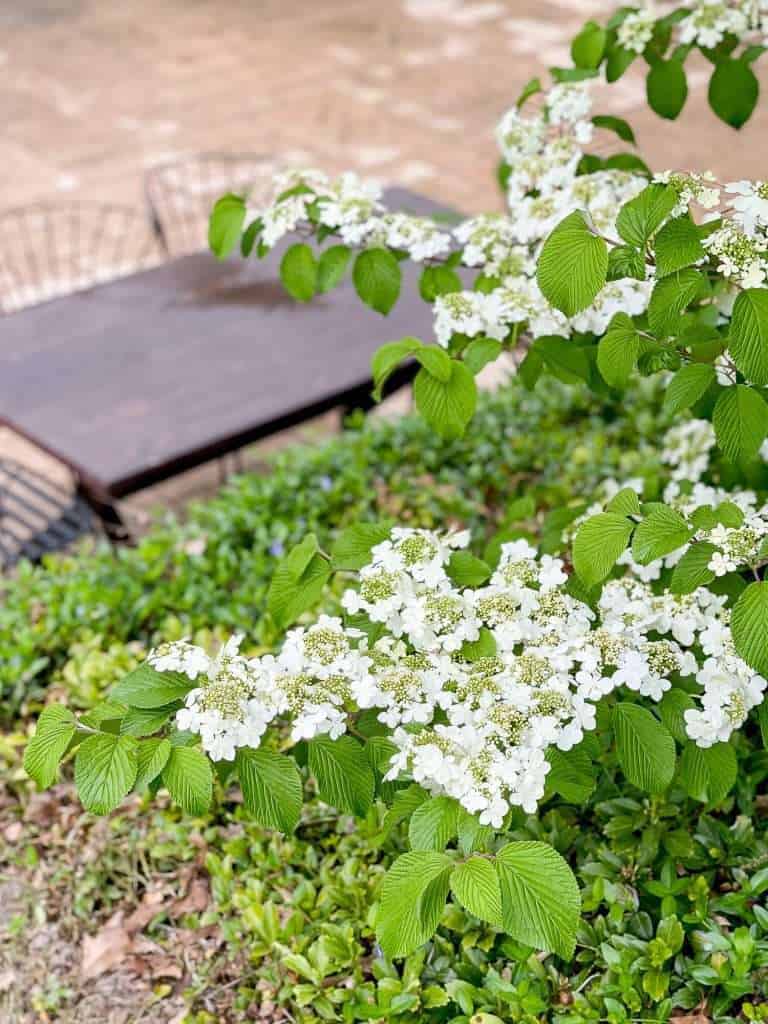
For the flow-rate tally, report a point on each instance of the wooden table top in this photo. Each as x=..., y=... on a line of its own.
x=132, y=381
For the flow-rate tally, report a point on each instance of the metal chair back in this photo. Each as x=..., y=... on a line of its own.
x=37, y=514
x=56, y=248
x=181, y=195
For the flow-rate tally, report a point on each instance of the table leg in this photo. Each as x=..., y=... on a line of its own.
x=104, y=507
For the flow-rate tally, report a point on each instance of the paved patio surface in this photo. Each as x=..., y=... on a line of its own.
x=407, y=91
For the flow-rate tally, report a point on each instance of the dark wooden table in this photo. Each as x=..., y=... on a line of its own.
x=133, y=381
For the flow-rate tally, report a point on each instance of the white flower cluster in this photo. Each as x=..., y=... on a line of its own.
x=731, y=521
x=543, y=149
x=739, y=245
x=231, y=705
x=475, y=683
x=350, y=208
x=705, y=24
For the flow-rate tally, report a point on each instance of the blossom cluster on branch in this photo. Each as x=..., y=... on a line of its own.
x=476, y=683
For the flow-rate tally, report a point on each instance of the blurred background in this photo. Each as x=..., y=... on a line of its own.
x=95, y=94
x=408, y=91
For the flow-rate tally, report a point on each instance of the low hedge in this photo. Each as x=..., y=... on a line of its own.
x=212, y=570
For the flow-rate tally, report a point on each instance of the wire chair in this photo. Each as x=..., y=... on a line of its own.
x=181, y=195
x=37, y=515
x=53, y=249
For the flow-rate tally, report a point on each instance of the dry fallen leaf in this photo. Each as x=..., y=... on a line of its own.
x=195, y=901
x=106, y=949
x=151, y=905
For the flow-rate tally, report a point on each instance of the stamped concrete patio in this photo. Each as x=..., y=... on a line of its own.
x=406, y=91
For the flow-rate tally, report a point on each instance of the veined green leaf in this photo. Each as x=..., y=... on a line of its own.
x=749, y=626
x=539, y=897
x=646, y=750
x=598, y=543
x=271, y=785
x=413, y=897
x=475, y=884
x=573, y=265
x=105, y=771
x=55, y=729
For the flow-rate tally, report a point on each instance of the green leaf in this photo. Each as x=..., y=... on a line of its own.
x=641, y=217
x=271, y=785
x=145, y=721
x=475, y=884
x=598, y=543
x=688, y=385
x=666, y=88
x=298, y=582
x=625, y=261
x=387, y=358
x=344, y=776
x=645, y=749
x=435, y=361
x=573, y=265
x=669, y=298
x=472, y=835
x=54, y=732
x=152, y=757
x=565, y=360
x=376, y=274
x=105, y=771
x=352, y=549
x=332, y=266
x=762, y=718
x=571, y=774
x=530, y=369
x=225, y=225
x=447, y=406
x=379, y=750
x=412, y=901
x=748, y=338
x=404, y=804
x=480, y=352
x=692, y=571
x=677, y=245
x=618, y=350
x=248, y=239
x=740, y=420
x=708, y=774
x=299, y=272
x=466, y=570
x=438, y=280
x=749, y=626
x=433, y=824
x=539, y=897
x=188, y=778
x=615, y=124
x=733, y=91
x=626, y=502
x=531, y=87
x=483, y=647
x=662, y=531
x=588, y=46
x=147, y=688
x=672, y=708
x=617, y=62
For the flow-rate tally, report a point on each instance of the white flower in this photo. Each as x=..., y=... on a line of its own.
x=750, y=204
x=635, y=31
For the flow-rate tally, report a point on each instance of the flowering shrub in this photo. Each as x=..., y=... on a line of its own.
x=457, y=689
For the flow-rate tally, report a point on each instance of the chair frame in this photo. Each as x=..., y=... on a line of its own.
x=51, y=515
x=163, y=227
x=32, y=266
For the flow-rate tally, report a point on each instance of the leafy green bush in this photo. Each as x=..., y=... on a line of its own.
x=673, y=899
x=673, y=916
x=213, y=570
